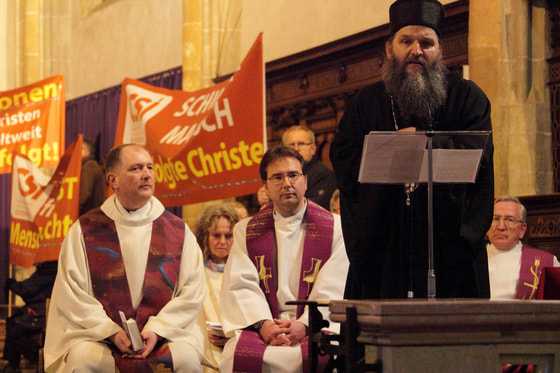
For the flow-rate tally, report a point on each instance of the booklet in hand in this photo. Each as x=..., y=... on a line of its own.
x=131, y=328
x=215, y=329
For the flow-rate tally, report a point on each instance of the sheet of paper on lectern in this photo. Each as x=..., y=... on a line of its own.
x=390, y=158
x=402, y=157
x=452, y=165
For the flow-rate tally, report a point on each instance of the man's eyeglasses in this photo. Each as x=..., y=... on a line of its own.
x=279, y=178
x=509, y=221
x=296, y=145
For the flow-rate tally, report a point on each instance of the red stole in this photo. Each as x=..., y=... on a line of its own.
x=532, y=263
x=549, y=284
x=110, y=286
x=260, y=240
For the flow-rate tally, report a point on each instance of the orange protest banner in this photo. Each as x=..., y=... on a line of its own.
x=43, y=208
x=32, y=120
x=207, y=144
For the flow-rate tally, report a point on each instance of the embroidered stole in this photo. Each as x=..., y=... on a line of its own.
x=110, y=285
x=532, y=263
x=260, y=240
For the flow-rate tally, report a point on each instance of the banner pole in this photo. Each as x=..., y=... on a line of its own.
x=10, y=268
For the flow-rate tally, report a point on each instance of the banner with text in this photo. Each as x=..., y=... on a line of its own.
x=43, y=208
x=207, y=144
x=32, y=123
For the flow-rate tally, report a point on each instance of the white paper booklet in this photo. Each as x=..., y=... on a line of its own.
x=215, y=329
x=131, y=328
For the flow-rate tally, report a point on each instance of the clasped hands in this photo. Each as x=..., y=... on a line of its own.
x=282, y=332
x=217, y=341
x=123, y=343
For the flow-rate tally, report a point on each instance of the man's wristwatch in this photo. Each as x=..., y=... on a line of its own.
x=258, y=325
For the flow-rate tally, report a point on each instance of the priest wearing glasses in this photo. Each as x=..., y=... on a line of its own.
x=514, y=268
x=291, y=250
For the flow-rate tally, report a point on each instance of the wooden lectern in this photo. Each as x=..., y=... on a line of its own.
x=451, y=335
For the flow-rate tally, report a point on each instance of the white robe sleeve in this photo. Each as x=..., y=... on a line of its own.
x=74, y=313
x=242, y=302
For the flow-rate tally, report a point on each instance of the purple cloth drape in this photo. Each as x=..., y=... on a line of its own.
x=95, y=116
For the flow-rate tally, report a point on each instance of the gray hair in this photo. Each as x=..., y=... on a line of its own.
x=522, y=209
x=310, y=133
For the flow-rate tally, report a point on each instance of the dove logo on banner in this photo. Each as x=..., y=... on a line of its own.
x=43, y=207
x=29, y=189
x=142, y=105
x=207, y=144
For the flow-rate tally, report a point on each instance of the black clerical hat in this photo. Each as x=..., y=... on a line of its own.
x=416, y=12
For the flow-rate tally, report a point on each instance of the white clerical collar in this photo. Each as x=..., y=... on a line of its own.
x=493, y=250
x=141, y=212
x=297, y=216
x=137, y=217
x=144, y=215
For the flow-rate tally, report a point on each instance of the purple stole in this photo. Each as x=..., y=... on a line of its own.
x=110, y=286
x=260, y=240
x=532, y=263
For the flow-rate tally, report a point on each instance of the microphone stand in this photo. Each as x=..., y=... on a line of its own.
x=409, y=191
x=431, y=271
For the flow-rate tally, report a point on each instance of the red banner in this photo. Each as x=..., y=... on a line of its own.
x=43, y=208
x=32, y=122
x=207, y=144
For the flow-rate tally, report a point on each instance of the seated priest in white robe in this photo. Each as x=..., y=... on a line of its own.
x=514, y=268
x=130, y=255
x=291, y=250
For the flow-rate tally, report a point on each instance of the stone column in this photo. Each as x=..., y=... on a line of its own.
x=41, y=40
x=192, y=71
x=507, y=54
x=211, y=38
x=28, y=71
x=192, y=44
x=31, y=67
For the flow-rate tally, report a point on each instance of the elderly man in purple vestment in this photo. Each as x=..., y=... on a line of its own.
x=291, y=250
x=514, y=267
x=130, y=255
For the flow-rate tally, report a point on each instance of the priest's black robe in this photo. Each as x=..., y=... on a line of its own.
x=386, y=240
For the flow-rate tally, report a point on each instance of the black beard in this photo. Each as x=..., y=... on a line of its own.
x=417, y=97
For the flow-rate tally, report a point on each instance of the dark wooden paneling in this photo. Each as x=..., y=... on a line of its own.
x=543, y=211
x=313, y=87
x=543, y=222
x=554, y=83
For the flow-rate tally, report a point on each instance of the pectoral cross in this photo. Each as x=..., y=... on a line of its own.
x=264, y=272
x=310, y=275
x=535, y=272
